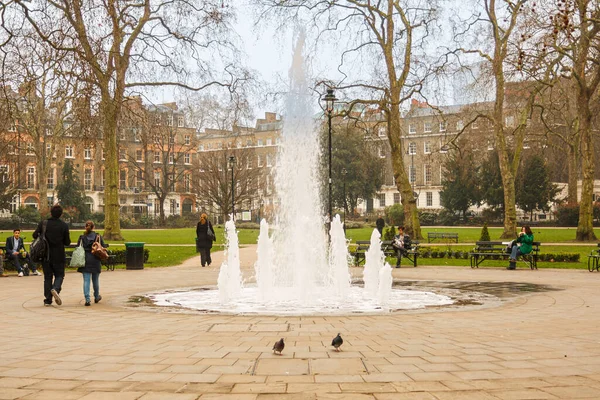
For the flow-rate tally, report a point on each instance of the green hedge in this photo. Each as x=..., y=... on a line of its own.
x=120, y=255
x=552, y=257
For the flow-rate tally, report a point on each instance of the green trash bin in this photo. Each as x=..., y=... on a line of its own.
x=134, y=255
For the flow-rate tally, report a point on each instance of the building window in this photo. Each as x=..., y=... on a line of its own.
x=429, y=199
x=427, y=127
x=136, y=136
x=171, y=158
x=381, y=199
x=157, y=179
x=186, y=158
x=474, y=125
x=12, y=127
x=443, y=126
x=122, y=155
x=139, y=179
x=30, y=177
x=412, y=148
x=123, y=179
x=381, y=131
x=87, y=179
x=50, y=180
x=427, y=148
x=187, y=139
x=122, y=135
x=460, y=125
x=180, y=122
x=138, y=155
x=171, y=139
x=69, y=151
x=102, y=178
x=170, y=120
x=259, y=142
x=87, y=153
x=490, y=145
x=396, y=198
x=187, y=180
x=509, y=121
x=412, y=174
x=30, y=151
x=259, y=160
x=428, y=174
x=269, y=142
x=249, y=143
x=102, y=154
x=269, y=164
x=157, y=156
x=412, y=129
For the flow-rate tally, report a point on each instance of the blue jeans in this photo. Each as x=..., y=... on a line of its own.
x=86, y=285
x=515, y=252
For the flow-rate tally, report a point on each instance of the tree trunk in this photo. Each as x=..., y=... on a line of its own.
x=572, y=178
x=409, y=203
x=585, y=227
x=112, y=225
x=42, y=177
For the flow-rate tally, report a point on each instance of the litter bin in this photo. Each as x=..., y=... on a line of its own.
x=134, y=255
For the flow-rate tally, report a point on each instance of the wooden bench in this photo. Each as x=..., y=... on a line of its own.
x=497, y=251
x=388, y=250
x=594, y=260
x=431, y=236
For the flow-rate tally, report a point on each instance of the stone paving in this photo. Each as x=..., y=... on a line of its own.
x=535, y=346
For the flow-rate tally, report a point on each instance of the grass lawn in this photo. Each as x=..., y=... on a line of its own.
x=172, y=255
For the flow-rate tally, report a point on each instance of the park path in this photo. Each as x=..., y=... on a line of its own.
x=536, y=346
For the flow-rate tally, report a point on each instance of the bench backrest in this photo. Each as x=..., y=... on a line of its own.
x=498, y=245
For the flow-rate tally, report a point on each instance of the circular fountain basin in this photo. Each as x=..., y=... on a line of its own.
x=247, y=302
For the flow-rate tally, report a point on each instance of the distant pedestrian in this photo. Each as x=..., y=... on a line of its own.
x=380, y=223
x=401, y=244
x=205, y=236
x=57, y=235
x=93, y=267
x=15, y=251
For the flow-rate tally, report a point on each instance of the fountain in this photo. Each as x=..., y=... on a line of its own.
x=296, y=271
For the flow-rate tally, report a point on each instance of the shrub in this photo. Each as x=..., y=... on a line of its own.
x=427, y=217
x=389, y=233
x=485, y=234
x=567, y=215
x=395, y=214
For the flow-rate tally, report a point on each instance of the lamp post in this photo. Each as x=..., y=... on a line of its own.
x=412, y=170
x=329, y=99
x=344, y=172
x=232, y=164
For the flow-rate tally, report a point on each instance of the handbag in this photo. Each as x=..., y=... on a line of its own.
x=99, y=251
x=210, y=233
x=78, y=257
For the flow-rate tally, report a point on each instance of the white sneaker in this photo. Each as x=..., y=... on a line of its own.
x=20, y=274
x=36, y=273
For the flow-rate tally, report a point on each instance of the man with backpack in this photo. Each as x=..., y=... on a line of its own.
x=57, y=237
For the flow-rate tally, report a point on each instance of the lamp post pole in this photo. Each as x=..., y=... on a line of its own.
x=329, y=101
x=232, y=163
x=344, y=172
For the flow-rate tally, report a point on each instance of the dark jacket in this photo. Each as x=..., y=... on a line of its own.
x=92, y=263
x=57, y=235
x=10, y=242
x=204, y=242
x=380, y=223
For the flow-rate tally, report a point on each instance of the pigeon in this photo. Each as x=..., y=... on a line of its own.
x=278, y=346
x=337, y=342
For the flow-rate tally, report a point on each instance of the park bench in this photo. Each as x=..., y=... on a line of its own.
x=497, y=251
x=594, y=259
x=431, y=236
x=362, y=246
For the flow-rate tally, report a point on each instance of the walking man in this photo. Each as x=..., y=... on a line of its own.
x=57, y=235
x=380, y=223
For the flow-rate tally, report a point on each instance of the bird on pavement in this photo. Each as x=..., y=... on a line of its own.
x=337, y=342
x=278, y=346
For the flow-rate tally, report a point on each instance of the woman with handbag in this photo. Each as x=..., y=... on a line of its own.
x=205, y=236
x=92, y=268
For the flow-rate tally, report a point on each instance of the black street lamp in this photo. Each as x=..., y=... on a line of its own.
x=344, y=172
x=232, y=165
x=329, y=99
x=412, y=176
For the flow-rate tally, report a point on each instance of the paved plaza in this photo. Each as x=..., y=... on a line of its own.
x=540, y=345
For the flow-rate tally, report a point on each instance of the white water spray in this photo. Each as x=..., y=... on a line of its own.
x=374, y=259
x=230, y=277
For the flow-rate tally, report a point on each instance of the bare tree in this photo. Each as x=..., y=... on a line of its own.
x=129, y=45
x=214, y=179
x=45, y=104
x=385, y=36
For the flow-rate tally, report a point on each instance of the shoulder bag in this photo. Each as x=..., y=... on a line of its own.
x=99, y=251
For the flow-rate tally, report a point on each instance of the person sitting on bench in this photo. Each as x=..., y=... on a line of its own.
x=401, y=244
x=15, y=251
x=522, y=245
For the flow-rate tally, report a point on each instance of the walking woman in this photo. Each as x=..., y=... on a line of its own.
x=205, y=236
x=92, y=268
